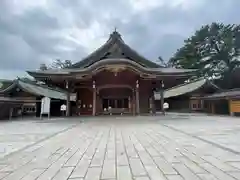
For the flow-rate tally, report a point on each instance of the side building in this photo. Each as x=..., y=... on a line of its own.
x=22, y=97
x=224, y=102
x=188, y=97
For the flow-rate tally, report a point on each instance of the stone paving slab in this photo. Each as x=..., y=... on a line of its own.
x=223, y=131
x=16, y=135
x=125, y=148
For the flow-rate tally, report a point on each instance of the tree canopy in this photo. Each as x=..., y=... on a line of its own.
x=163, y=62
x=214, y=50
x=43, y=67
x=59, y=64
x=56, y=64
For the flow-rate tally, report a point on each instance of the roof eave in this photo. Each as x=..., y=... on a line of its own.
x=9, y=88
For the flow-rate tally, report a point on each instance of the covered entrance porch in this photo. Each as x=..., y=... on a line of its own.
x=116, y=99
x=109, y=93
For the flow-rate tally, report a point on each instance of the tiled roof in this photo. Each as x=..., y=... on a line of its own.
x=42, y=90
x=232, y=93
x=185, y=88
x=113, y=61
x=37, y=89
x=4, y=84
x=115, y=47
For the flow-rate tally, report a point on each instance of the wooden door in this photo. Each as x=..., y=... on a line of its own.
x=85, y=102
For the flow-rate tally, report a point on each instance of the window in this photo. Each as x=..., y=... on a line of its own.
x=29, y=109
x=194, y=106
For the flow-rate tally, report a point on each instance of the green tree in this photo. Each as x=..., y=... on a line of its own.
x=59, y=64
x=163, y=62
x=43, y=67
x=214, y=50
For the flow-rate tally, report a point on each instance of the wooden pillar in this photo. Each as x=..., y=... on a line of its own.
x=162, y=97
x=137, y=98
x=94, y=99
x=150, y=105
x=68, y=100
x=230, y=108
x=10, y=113
x=133, y=103
x=153, y=103
x=129, y=104
x=22, y=109
x=212, y=108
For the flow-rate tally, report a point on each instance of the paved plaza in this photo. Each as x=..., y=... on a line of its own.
x=174, y=147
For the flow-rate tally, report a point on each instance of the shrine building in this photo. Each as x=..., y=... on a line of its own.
x=114, y=79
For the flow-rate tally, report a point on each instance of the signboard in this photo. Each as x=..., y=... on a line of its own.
x=45, y=106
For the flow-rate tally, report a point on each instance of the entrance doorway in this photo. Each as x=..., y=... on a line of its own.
x=117, y=103
x=84, y=102
x=115, y=99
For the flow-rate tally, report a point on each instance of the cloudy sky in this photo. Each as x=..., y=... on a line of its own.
x=34, y=32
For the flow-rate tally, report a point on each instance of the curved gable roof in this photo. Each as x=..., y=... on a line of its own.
x=115, y=47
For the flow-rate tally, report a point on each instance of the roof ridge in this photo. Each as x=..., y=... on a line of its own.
x=44, y=85
x=89, y=55
x=213, y=84
x=138, y=54
x=115, y=37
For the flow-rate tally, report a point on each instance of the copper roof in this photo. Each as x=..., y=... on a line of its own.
x=37, y=89
x=232, y=93
x=114, y=51
x=160, y=71
x=186, y=88
x=115, y=47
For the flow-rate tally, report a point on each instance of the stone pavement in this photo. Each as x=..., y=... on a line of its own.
x=129, y=148
x=19, y=134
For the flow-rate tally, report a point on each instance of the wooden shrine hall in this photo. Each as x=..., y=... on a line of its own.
x=114, y=79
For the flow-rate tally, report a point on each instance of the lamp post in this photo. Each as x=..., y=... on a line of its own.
x=162, y=97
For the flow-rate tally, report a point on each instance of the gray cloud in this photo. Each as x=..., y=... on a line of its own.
x=56, y=30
